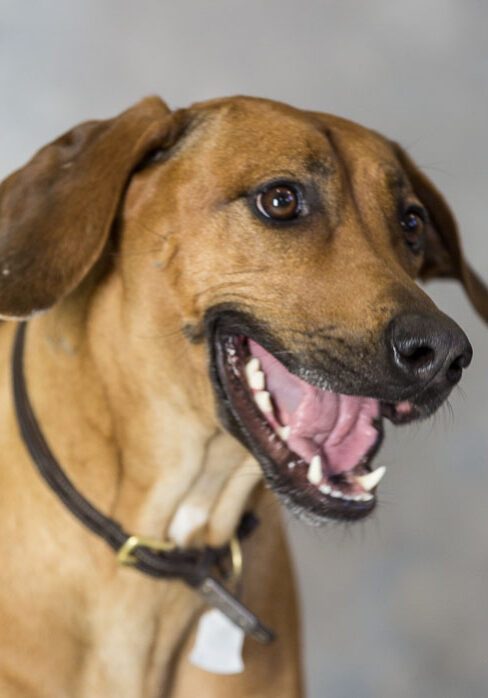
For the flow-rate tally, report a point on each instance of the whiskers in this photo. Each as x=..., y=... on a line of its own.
x=448, y=413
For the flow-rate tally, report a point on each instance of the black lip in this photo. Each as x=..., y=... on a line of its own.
x=324, y=370
x=301, y=497
x=226, y=321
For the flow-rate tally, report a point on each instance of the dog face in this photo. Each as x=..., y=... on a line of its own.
x=283, y=245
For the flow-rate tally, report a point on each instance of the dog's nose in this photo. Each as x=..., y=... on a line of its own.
x=425, y=346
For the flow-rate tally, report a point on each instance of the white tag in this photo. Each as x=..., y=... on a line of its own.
x=218, y=645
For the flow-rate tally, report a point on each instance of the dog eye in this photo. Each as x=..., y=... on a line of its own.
x=281, y=202
x=413, y=222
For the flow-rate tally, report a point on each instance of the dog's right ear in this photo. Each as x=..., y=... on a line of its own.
x=56, y=212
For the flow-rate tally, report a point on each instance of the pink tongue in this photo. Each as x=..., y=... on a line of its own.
x=338, y=427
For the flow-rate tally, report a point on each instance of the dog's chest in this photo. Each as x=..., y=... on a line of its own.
x=138, y=628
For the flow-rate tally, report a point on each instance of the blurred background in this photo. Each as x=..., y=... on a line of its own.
x=395, y=606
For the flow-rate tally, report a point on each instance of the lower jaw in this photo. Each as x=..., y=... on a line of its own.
x=336, y=497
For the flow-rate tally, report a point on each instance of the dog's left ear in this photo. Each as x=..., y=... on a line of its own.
x=56, y=212
x=444, y=255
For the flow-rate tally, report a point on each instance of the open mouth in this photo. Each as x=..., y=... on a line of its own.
x=315, y=446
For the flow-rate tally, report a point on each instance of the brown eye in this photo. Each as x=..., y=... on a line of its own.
x=280, y=202
x=413, y=223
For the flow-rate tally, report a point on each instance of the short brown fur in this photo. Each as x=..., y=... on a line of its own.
x=128, y=259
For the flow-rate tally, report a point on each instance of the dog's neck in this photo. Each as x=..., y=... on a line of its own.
x=142, y=407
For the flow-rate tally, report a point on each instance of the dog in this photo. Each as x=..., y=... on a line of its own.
x=221, y=310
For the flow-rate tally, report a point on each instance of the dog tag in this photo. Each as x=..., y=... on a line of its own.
x=218, y=597
x=218, y=645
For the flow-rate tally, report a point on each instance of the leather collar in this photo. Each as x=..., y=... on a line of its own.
x=191, y=565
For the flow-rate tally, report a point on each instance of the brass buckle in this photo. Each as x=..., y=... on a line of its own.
x=125, y=556
x=236, y=560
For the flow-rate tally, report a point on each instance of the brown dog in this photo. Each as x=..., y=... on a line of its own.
x=226, y=284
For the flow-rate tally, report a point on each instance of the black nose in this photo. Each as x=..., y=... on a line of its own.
x=424, y=346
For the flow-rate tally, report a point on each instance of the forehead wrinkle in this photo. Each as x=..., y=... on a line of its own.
x=319, y=164
x=343, y=165
x=395, y=179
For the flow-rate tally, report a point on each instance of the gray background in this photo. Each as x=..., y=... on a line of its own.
x=395, y=606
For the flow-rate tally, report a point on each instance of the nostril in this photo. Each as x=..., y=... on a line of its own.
x=414, y=355
x=418, y=357
x=455, y=369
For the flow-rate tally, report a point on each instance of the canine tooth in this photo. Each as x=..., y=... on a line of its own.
x=314, y=474
x=263, y=401
x=291, y=464
x=252, y=367
x=256, y=380
x=284, y=432
x=325, y=489
x=370, y=480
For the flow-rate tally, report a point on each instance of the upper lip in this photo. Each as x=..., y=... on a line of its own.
x=226, y=321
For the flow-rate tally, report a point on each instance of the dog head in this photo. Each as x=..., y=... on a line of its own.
x=283, y=247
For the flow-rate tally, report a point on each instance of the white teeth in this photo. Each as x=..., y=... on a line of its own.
x=364, y=497
x=263, y=401
x=291, y=465
x=370, y=480
x=252, y=366
x=256, y=380
x=314, y=474
x=337, y=494
x=254, y=375
x=284, y=432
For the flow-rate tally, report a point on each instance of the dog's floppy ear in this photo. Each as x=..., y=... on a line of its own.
x=56, y=211
x=444, y=255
